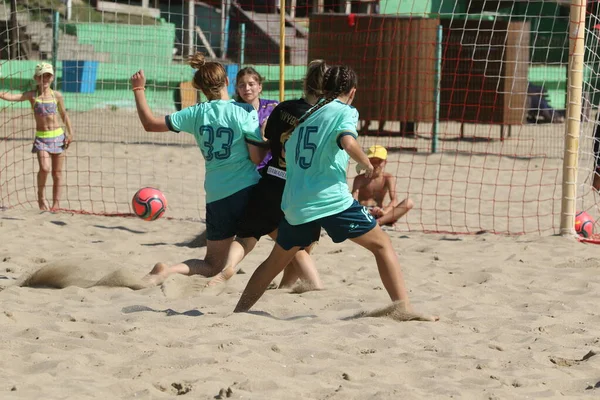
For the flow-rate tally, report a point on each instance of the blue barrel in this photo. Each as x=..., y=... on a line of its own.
x=79, y=76
x=232, y=70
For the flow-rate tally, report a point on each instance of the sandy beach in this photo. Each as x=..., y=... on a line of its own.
x=519, y=318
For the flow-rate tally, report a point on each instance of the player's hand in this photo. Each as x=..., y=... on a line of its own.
x=68, y=140
x=377, y=212
x=138, y=79
x=367, y=168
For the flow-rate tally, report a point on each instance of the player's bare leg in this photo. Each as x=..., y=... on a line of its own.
x=290, y=277
x=263, y=276
x=57, y=179
x=237, y=251
x=42, y=175
x=290, y=273
x=379, y=243
x=210, y=266
x=158, y=275
x=42, y=203
x=302, y=267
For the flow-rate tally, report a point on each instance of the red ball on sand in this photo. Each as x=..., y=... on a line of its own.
x=584, y=224
x=149, y=203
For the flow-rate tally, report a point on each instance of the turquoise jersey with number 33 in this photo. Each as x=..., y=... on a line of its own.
x=222, y=129
x=316, y=184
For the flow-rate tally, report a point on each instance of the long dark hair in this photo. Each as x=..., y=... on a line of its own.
x=338, y=80
x=313, y=81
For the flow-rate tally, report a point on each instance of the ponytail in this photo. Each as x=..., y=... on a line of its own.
x=210, y=76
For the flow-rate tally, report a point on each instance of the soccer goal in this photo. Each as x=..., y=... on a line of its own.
x=487, y=108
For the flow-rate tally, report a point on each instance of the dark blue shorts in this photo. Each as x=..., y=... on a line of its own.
x=263, y=213
x=223, y=216
x=353, y=222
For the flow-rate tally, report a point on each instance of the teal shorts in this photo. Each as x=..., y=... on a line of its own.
x=223, y=216
x=353, y=222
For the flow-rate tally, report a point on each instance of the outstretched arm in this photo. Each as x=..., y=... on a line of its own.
x=351, y=146
x=15, y=97
x=149, y=121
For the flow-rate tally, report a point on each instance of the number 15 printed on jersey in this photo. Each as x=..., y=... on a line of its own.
x=305, y=149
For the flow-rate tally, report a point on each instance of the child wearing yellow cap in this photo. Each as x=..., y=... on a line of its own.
x=51, y=140
x=371, y=192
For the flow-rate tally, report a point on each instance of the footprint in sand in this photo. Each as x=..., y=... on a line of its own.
x=396, y=311
x=468, y=278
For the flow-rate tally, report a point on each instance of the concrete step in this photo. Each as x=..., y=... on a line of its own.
x=83, y=55
x=68, y=46
x=290, y=32
x=22, y=17
x=47, y=44
x=74, y=55
x=36, y=27
x=298, y=51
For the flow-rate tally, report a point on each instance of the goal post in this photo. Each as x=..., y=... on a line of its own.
x=577, y=28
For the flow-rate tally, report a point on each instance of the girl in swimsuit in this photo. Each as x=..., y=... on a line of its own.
x=50, y=139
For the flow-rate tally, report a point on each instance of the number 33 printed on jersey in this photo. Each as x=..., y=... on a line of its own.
x=216, y=144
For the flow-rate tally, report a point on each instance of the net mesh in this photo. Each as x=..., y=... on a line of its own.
x=482, y=153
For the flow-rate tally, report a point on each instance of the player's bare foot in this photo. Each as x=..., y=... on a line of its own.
x=55, y=206
x=303, y=287
x=42, y=204
x=157, y=276
x=376, y=212
x=405, y=312
x=398, y=311
x=221, y=277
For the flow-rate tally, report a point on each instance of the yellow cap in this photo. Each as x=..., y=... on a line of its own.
x=377, y=151
x=43, y=68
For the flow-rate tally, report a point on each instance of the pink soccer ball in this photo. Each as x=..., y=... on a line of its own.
x=149, y=203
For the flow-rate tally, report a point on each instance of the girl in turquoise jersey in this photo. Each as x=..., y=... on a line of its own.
x=317, y=196
x=229, y=137
x=263, y=213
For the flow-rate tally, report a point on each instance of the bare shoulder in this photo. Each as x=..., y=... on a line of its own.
x=58, y=95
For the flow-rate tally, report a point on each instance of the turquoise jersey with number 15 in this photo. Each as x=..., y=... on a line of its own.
x=316, y=184
x=221, y=129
